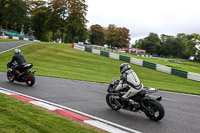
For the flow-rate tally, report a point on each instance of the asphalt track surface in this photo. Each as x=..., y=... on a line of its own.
x=4, y=46
x=182, y=112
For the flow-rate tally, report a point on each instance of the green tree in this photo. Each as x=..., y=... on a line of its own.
x=39, y=17
x=192, y=41
x=76, y=23
x=151, y=44
x=97, y=34
x=68, y=20
x=13, y=14
x=182, y=37
x=110, y=35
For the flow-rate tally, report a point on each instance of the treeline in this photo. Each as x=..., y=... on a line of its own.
x=47, y=21
x=58, y=19
x=181, y=46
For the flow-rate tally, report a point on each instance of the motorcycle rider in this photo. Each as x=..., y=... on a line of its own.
x=131, y=79
x=19, y=59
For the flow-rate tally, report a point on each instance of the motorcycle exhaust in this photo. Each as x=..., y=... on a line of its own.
x=159, y=98
x=34, y=72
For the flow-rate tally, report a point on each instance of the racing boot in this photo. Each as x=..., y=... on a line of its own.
x=125, y=102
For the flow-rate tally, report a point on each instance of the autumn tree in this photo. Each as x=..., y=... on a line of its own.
x=97, y=34
x=122, y=37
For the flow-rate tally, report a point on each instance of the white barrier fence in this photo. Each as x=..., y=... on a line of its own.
x=164, y=69
x=161, y=68
x=193, y=76
x=136, y=61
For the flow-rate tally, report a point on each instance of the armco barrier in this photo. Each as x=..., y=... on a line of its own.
x=193, y=76
x=164, y=69
x=124, y=58
x=15, y=37
x=179, y=73
x=106, y=54
x=136, y=61
x=161, y=68
x=114, y=56
x=149, y=65
x=88, y=49
x=79, y=47
x=95, y=51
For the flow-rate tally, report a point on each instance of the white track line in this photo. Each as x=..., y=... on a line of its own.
x=181, y=94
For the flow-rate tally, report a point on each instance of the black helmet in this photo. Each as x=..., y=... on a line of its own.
x=124, y=67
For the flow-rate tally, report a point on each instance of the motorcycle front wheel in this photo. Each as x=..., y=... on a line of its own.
x=30, y=79
x=155, y=110
x=111, y=102
x=10, y=76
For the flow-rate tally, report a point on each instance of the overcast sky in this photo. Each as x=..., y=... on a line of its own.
x=144, y=16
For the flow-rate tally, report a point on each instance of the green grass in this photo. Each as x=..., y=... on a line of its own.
x=19, y=117
x=59, y=60
x=9, y=40
x=188, y=66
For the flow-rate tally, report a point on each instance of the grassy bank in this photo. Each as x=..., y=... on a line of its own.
x=188, y=66
x=19, y=117
x=9, y=40
x=59, y=60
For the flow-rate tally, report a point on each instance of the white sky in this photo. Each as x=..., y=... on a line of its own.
x=144, y=16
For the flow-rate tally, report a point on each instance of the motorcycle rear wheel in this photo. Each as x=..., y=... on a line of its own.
x=30, y=79
x=111, y=103
x=156, y=111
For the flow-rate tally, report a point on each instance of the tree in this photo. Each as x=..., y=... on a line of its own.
x=110, y=35
x=182, y=37
x=97, y=34
x=13, y=14
x=3, y=11
x=39, y=17
x=76, y=28
x=151, y=44
x=70, y=20
x=192, y=41
x=122, y=37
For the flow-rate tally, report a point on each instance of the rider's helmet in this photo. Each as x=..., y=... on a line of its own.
x=16, y=51
x=124, y=67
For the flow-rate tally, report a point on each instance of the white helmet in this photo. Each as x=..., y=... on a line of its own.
x=16, y=51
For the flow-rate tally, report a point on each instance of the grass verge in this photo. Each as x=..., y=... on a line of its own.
x=9, y=40
x=19, y=117
x=61, y=61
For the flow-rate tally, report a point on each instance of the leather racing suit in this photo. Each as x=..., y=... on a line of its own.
x=131, y=79
x=20, y=59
